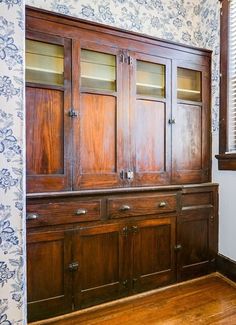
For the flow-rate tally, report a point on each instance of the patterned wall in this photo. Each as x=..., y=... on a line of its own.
x=192, y=22
x=12, y=191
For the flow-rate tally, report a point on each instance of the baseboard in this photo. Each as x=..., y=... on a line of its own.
x=226, y=266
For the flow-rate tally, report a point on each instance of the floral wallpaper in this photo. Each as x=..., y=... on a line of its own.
x=192, y=22
x=12, y=189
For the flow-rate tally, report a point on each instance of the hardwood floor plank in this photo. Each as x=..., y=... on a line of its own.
x=209, y=300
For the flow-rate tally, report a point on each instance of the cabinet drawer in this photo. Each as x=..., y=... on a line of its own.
x=135, y=206
x=54, y=213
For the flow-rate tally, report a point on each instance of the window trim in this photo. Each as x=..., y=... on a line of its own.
x=226, y=161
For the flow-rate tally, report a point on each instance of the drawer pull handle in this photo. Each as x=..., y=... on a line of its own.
x=80, y=212
x=32, y=216
x=162, y=204
x=125, y=208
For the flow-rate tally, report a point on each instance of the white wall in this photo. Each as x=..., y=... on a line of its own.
x=227, y=205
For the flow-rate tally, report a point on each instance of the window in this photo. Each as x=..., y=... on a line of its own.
x=227, y=134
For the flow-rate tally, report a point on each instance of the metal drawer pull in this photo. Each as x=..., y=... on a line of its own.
x=162, y=204
x=125, y=208
x=80, y=212
x=32, y=216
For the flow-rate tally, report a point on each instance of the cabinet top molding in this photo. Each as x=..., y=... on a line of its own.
x=107, y=29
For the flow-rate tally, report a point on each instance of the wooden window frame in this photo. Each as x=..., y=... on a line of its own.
x=226, y=161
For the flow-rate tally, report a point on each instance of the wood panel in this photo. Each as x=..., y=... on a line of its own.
x=195, y=231
x=100, y=252
x=150, y=137
x=48, y=278
x=44, y=131
x=154, y=260
x=98, y=134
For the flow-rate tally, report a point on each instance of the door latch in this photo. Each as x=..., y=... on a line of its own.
x=72, y=113
x=129, y=174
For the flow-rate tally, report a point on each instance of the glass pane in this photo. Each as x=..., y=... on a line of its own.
x=189, y=85
x=98, y=70
x=150, y=79
x=44, y=63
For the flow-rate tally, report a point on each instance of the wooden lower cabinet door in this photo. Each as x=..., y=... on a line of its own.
x=48, y=274
x=195, y=239
x=103, y=258
x=154, y=258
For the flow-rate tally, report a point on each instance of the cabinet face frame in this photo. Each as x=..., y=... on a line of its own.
x=52, y=182
x=200, y=133
x=83, y=98
x=140, y=102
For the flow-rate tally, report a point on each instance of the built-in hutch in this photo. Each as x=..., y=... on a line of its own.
x=118, y=138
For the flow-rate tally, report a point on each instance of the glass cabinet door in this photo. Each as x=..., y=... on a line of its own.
x=150, y=79
x=189, y=85
x=98, y=70
x=150, y=105
x=48, y=97
x=44, y=63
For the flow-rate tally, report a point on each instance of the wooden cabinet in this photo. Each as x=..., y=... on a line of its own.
x=102, y=113
x=117, y=125
x=197, y=230
x=49, y=282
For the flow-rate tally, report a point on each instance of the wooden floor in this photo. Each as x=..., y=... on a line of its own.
x=208, y=300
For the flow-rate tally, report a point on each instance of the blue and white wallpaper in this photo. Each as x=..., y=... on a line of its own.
x=12, y=189
x=192, y=22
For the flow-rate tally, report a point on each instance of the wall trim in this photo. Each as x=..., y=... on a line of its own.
x=226, y=266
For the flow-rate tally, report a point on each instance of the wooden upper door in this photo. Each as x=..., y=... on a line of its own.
x=150, y=105
x=49, y=280
x=191, y=150
x=104, y=264
x=99, y=129
x=48, y=101
x=154, y=257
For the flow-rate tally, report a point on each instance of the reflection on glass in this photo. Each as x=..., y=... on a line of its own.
x=150, y=79
x=98, y=70
x=44, y=63
x=189, y=84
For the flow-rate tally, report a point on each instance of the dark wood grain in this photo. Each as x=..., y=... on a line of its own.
x=99, y=252
x=55, y=213
x=49, y=281
x=141, y=205
x=44, y=132
x=154, y=259
x=226, y=266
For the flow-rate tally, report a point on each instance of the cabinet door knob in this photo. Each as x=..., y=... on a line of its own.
x=32, y=216
x=162, y=204
x=125, y=283
x=73, y=266
x=125, y=207
x=134, y=229
x=178, y=247
x=81, y=212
